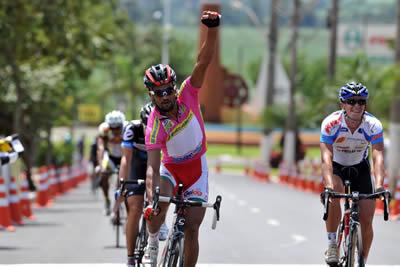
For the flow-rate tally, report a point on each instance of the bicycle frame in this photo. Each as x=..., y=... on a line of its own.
x=175, y=241
x=349, y=228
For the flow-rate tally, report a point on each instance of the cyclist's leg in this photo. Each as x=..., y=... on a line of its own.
x=134, y=207
x=334, y=216
x=105, y=186
x=166, y=189
x=194, y=218
x=195, y=215
x=335, y=211
x=367, y=210
x=365, y=185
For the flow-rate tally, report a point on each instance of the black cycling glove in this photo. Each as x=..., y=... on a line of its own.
x=211, y=23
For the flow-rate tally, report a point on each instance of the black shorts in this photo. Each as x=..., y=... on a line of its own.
x=137, y=171
x=359, y=176
x=116, y=161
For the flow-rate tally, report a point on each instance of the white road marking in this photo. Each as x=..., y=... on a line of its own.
x=273, y=222
x=242, y=202
x=297, y=239
x=232, y=196
x=255, y=210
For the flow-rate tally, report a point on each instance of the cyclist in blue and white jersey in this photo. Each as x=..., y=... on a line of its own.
x=346, y=136
x=133, y=167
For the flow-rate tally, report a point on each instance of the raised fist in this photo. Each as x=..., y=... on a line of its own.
x=210, y=18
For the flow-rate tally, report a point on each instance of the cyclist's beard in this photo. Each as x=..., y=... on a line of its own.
x=166, y=106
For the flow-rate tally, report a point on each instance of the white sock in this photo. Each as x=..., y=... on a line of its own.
x=331, y=238
x=153, y=238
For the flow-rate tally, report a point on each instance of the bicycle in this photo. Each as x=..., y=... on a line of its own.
x=349, y=240
x=172, y=254
x=141, y=239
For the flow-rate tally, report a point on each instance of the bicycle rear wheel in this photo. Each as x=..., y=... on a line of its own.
x=354, y=250
x=176, y=257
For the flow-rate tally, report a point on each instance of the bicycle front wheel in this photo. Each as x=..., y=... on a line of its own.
x=354, y=250
x=176, y=257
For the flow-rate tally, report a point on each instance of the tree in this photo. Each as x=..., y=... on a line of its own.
x=394, y=149
x=291, y=125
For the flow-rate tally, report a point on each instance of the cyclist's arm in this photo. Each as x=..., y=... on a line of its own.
x=153, y=171
x=204, y=57
x=100, y=149
x=326, y=164
x=379, y=166
x=124, y=168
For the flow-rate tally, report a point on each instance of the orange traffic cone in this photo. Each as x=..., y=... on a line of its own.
x=5, y=213
x=15, y=207
x=42, y=196
x=395, y=204
x=25, y=202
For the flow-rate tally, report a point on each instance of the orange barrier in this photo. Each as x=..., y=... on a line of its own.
x=283, y=173
x=261, y=171
x=25, y=202
x=5, y=213
x=42, y=196
x=395, y=204
x=15, y=208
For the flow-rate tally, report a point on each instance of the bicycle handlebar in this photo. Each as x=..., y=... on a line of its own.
x=355, y=196
x=187, y=203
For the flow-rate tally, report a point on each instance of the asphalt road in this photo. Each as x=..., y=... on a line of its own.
x=261, y=223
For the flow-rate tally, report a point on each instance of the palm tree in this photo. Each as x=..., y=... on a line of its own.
x=394, y=149
x=332, y=17
x=291, y=125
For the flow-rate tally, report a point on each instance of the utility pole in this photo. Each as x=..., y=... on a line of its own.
x=266, y=142
x=394, y=127
x=289, y=154
x=332, y=21
x=166, y=31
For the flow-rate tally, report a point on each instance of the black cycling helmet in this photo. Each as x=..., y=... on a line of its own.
x=145, y=112
x=158, y=75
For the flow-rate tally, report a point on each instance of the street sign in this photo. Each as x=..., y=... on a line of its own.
x=375, y=40
x=90, y=113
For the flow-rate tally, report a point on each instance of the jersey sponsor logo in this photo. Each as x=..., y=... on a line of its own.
x=128, y=133
x=189, y=155
x=168, y=124
x=343, y=129
x=181, y=126
x=340, y=139
x=193, y=192
x=377, y=136
x=332, y=124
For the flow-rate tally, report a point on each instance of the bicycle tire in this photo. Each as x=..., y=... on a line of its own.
x=354, y=250
x=176, y=258
x=141, y=242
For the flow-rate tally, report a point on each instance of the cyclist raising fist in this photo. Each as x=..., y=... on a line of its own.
x=176, y=128
x=345, y=138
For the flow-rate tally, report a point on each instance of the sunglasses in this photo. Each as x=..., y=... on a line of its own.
x=163, y=92
x=352, y=102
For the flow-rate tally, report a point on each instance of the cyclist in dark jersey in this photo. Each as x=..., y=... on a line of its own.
x=133, y=167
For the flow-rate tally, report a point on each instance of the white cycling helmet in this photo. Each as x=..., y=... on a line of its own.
x=115, y=119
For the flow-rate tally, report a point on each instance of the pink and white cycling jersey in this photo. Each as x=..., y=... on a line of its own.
x=182, y=140
x=350, y=148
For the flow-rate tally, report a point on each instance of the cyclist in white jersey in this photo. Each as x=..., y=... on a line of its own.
x=346, y=136
x=110, y=138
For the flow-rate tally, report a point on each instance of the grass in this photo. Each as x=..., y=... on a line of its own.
x=214, y=150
